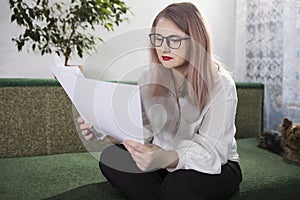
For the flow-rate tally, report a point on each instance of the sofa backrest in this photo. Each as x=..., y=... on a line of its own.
x=249, y=116
x=37, y=117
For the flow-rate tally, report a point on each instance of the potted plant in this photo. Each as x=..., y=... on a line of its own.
x=64, y=27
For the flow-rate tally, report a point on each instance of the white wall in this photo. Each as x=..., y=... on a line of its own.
x=220, y=15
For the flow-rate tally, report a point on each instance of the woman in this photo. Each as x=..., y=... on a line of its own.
x=189, y=105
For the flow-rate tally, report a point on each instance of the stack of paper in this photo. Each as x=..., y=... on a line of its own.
x=112, y=108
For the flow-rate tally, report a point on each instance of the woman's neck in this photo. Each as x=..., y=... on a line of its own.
x=179, y=77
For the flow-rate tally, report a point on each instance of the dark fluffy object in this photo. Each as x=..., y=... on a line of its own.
x=272, y=141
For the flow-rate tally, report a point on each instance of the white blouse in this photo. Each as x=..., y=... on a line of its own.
x=204, y=141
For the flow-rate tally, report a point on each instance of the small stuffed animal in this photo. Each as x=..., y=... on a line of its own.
x=272, y=141
x=291, y=139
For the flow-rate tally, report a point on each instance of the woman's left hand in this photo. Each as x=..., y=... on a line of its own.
x=149, y=156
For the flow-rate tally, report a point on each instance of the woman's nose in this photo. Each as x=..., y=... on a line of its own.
x=165, y=47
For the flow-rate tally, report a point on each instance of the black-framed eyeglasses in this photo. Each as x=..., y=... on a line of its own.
x=173, y=41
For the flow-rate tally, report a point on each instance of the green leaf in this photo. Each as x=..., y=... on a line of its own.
x=31, y=13
x=13, y=18
x=16, y=11
x=58, y=6
x=108, y=26
x=79, y=50
x=11, y=3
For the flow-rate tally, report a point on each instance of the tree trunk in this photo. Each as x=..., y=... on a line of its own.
x=66, y=60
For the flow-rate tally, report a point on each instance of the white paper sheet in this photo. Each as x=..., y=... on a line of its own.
x=112, y=108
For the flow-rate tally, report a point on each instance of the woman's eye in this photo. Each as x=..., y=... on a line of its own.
x=175, y=40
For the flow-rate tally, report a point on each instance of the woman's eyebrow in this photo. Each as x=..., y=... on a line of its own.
x=172, y=35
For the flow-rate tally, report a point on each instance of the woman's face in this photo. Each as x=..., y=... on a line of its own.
x=168, y=56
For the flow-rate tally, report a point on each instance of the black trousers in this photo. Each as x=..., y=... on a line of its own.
x=121, y=171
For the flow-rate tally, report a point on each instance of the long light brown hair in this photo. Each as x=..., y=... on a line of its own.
x=200, y=62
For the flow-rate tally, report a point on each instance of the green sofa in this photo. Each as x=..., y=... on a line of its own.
x=42, y=156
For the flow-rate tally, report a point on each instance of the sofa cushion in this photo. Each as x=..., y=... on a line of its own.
x=76, y=176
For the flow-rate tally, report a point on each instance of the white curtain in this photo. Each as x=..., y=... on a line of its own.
x=268, y=51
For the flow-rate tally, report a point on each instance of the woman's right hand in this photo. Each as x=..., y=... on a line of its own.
x=84, y=127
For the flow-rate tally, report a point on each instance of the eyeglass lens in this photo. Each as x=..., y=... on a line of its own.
x=173, y=41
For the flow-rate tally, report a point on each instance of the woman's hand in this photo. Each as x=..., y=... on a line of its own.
x=88, y=135
x=149, y=156
x=84, y=127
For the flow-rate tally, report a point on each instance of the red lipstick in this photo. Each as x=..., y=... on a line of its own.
x=166, y=58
